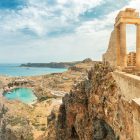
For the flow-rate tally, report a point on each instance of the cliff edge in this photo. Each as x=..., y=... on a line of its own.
x=95, y=110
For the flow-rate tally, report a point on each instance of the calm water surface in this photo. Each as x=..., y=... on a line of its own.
x=24, y=95
x=15, y=70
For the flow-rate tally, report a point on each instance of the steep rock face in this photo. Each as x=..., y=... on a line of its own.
x=111, y=54
x=95, y=110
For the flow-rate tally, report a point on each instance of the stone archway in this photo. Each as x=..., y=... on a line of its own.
x=129, y=16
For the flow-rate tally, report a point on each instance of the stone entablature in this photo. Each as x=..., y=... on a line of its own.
x=128, y=16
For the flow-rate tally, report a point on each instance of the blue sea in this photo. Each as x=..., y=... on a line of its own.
x=16, y=70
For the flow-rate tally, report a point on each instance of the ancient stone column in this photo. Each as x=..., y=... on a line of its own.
x=138, y=48
x=123, y=52
x=117, y=31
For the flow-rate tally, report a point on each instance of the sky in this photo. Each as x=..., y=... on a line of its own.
x=59, y=30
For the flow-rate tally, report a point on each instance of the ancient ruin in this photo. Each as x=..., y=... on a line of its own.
x=125, y=63
x=131, y=59
x=106, y=106
x=116, y=54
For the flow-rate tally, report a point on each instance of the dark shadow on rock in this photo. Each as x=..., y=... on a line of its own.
x=102, y=131
x=74, y=135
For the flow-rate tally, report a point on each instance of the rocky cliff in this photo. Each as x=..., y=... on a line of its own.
x=95, y=110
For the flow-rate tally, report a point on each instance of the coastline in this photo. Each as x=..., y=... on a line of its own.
x=49, y=90
x=11, y=70
x=51, y=64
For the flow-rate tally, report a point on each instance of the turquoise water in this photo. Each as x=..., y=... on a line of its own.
x=24, y=95
x=15, y=70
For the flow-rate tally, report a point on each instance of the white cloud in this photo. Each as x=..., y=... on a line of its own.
x=134, y=4
x=80, y=6
x=42, y=18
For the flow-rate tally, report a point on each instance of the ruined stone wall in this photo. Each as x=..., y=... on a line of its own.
x=130, y=88
x=96, y=110
x=110, y=55
x=129, y=84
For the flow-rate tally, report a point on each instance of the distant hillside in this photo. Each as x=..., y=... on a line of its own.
x=52, y=64
x=57, y=64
